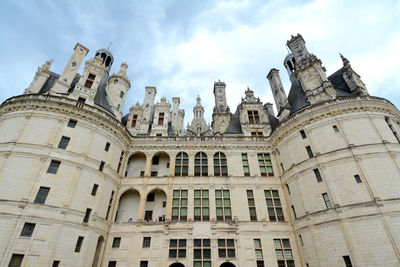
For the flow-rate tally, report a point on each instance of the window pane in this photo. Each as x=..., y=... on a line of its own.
x=207, y=253
x=182, y=253
x=221, y=253
x=176, y=193
x=275, y=193
x=279, y=254
x=206, y=242
x=197, y=202
x=218, y=202
x=230, y=243
x=197, y=264
x=205, y=193
x=172, y=253
x=184, y=193
x=227, y=202
x=206, y=212
x=182, y=243
x=270, y=203
x=257, y=243
x=218, y=193
x=228, y=212
x=250, y=202
x=197, y=211
x=267, y=193
x=175, y=202
x=197, y=254
x=231, y=253
x=197, y=193
x=205, y=202
x=288, y=254
x=221, y=242
x=183, y=211
x=197, y=242
x=184, y=202
x=277, y=243
x=175, y=211
x=286, y=243
x=259, y=254
x=219, y=211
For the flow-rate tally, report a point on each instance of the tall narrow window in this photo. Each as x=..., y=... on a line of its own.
x=78, y=245
x=309, y=152
x=201, y=253
x=318, y=175
x=223, y=205
x=275, y=211
x=121, y=157
x=179, y=205
x=303, y=134
x=201, y=205
x=245, y=162
x=121, y=94
x=72, y=123
x=161, y=118
x=253, y=116
x=357, y=178
x=294, y=212
x=94, y=189
x=335, y=128
x=42, y=195
x=200, y=164
x=177, y=248
x=53, y=167
x=347, y=261
x=56, y=263
x=107, y=147
x=89, y=80
x=16, y=260
x=116, y=242
x=27, y=231
x=226, y=248
x=283, y=253
x=146, y=242
x=328, y=203
x=287, y=188
x=220, y=165
x=134, y=120
x=63, y=142
x=395, y=133
x=264, y=161
x=101, y=167
x=87, y=215
x=109, y=204
x=181, y=164
x=301, y=240
x=252, y=205
x=259, y=254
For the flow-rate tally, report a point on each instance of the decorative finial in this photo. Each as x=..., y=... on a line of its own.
x=344, y=60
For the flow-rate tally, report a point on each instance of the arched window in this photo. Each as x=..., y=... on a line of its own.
x=220, y=165
x=181, y=164
x=200, y=164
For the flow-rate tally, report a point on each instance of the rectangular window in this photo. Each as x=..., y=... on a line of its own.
x=274, y=205
x=150, y=197
x=109, y=204
x=121, y=94
x=155, y=160
x=146, y=242
x=303, y=134
x=327, y=201
x=179, y=205
x=121, y=157
x=141, y=173
x=177, y=248
x=335, y=128
x=107, y=146
x=301, y=240
x=358, y=179
x=161, y=118
x=148, y=215
x=144, y=263
x=154, y=174
x=257, y=134
x=94, y=189
x=389, y=123
x=283, y=253
x=42, y=195
x=53, y=167
x=318, y=175
x=118, y=107
x=245, y=162
x=56, y=263
x=134, y=120
x=202, y=253
x=226, y=248
x=90, y=80
x=112, y=264
x=259, y=254
x=63, y=142
x=347, y=261
x=101, y=167
x=87, y=215
x=294, y=212
x=309, y=152
x=252, y=205
x=27, y=231
x=253, y=116
x=79, y=244
x=72, y=123
x=223, y=205
x=264, y=161
x=81, y=99
x=16, y=260
x=201, y=205
x=116, y=242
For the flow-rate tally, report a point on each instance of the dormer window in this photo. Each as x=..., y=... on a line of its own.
x=115, y=81
x=90, y=80
x=253, y=116
x=134, y=119
x=161, y=118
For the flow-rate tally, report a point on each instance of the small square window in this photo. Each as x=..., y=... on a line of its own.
x=146, y=242
x=358, y=179
x=141, y=173
x=150, y=197
x=94, y=189
x=143, y=263
x=42, y=195
x=72, y=123
x=107, y=146
x=73, y=64
x=154, y=174
x=116, y=242
x=101, y=167
x=155, y=160
x=63, y=142
x=335, y=128
x=27, y=231
x=53, y=167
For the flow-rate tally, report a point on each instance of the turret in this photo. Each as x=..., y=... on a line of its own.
x=221, y=116
x=41, y=76
x=177, y=116
x=281, y=101
x=117, y=89
x=199, y=125
x=352, y=79
x=148, y=108
x=309, y=71
x=161, y=118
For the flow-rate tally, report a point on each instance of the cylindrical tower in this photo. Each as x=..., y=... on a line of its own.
x=340, y=169
x=58, y=183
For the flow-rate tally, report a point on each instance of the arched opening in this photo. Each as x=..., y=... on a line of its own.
x=136, y=165
x=200, y=164
x=177, y=264
x=220, y=165
x=156, y=202
x=108, y=61
x=128, y=206
x=227, y=264
x=160, y=164
x=98, y=252
x=182, y=164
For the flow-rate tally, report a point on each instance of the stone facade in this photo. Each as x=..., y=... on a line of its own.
x=84, y=186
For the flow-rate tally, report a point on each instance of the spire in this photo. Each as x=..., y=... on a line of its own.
x=344, y=60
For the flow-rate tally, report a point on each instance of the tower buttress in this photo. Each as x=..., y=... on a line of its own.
x=281, y=101
x=148, y=109
x=117, y=89
x=177, y=116
x=221, y=116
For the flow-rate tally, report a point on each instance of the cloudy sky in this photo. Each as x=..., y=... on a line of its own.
x=182, y=47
